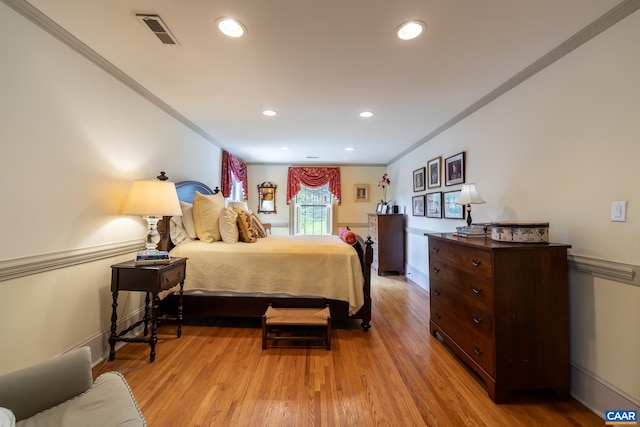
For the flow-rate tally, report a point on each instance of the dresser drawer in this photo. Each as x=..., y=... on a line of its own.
x=480, y=349
x=172, y=277
x=472, y=340
x=468, y=285
x=468, y=312
x=469, y=259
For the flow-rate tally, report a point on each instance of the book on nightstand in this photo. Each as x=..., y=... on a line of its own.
x=152, y=258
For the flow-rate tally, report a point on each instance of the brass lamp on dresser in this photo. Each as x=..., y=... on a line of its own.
x=387, y=234
x=503, y=308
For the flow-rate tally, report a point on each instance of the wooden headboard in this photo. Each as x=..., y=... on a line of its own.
x=186, y=193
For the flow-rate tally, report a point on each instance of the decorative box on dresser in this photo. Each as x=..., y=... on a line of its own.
x=503, y=308
x=387, y=234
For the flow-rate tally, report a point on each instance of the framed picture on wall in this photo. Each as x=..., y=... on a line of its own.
x=418, y=205
x=452, y=210
x=361, y=193
x=418, y=180
x=454, y=169
x=433, y=171
x=434, y=205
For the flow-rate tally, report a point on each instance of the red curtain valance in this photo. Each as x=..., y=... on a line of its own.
x=233, y=167
x=313, y=177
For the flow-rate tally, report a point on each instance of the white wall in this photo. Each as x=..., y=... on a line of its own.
x=560, y=148
x=72, y=138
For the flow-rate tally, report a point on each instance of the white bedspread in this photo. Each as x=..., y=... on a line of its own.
x=318, y=266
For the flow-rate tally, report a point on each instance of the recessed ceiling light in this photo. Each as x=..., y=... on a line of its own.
x=348, y=149
x=366, y=114
x=285, y=148
x=269, y=113
x=410, y=30
x=231, y=27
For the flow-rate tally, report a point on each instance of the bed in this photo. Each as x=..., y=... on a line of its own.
x=241, y=280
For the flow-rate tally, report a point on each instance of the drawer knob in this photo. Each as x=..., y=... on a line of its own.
x=477, y=350
x=476, y=262
x=436, y=249
x=437, y=292
x=438, y=316
x=436, y=269
x=477, y=319
x=476, y=290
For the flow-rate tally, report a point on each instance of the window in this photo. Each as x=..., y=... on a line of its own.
x=237, y=194
x=313, y=211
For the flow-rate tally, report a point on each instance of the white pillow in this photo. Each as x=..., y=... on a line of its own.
x=7, y=419
x=206, y=214
x=228, y=225
x=177, y=231
x=187, y=219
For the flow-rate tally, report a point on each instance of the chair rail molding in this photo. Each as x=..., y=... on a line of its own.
x=19, y=267
x=617, y=271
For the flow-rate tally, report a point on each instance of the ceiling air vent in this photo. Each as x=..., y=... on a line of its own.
x=159, y=28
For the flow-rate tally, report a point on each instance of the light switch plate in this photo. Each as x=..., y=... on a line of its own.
x=619, y=211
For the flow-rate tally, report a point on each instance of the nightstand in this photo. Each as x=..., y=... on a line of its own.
x=151, y=279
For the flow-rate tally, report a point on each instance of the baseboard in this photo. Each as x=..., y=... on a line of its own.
x=597, y=394
x=99, y=343
x=418, y=277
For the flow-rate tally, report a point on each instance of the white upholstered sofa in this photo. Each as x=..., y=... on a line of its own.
x=61, y=392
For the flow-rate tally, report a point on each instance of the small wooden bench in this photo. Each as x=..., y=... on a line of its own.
x=283, y=323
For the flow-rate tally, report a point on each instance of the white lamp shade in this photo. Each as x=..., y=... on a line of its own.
x=157, y=198
x=469, y=195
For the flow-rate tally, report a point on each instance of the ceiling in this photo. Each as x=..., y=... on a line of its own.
x=320, y=63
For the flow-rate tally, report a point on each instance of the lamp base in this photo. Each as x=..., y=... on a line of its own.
x=153, y=237
x=469, y=215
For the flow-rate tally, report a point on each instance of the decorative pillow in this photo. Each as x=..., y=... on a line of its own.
x=187, y=219
x=229, y=225
x=347, y=236
x=206, y=215
x=177, y=231
x=246, y=231
x=257, y=225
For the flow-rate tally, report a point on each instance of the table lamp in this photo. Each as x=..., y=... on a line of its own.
x=152, y=199
x=468, y=196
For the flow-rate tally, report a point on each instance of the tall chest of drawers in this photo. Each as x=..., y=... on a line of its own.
x=503, y=308
x=387, y=234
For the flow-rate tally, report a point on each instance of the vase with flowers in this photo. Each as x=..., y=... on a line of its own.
x=384, y=183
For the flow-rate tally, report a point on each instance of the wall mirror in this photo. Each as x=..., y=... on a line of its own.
x=267, y=198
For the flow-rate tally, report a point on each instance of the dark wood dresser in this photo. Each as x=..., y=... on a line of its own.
x=503, y=308
x=387, y=234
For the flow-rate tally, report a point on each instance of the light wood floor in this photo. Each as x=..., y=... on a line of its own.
x=395, y=375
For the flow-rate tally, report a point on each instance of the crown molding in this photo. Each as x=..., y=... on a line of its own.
x=606, y=21
x=47, y=24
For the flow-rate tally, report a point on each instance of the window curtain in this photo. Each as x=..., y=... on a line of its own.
x=313, y=177
x=232, y=167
